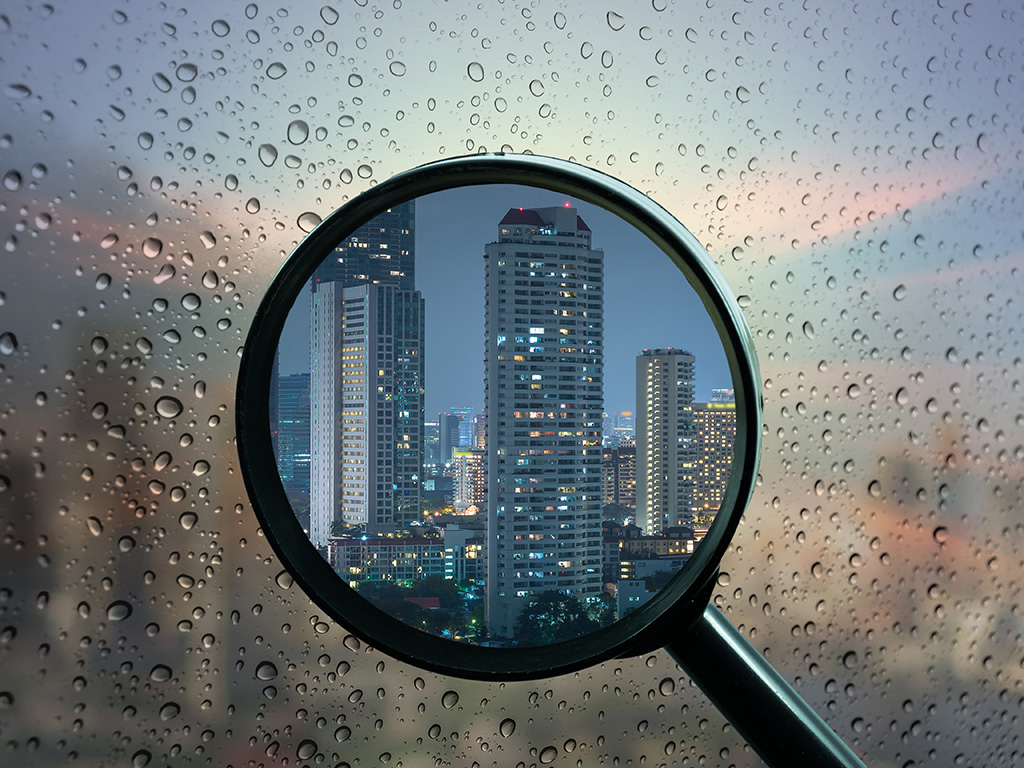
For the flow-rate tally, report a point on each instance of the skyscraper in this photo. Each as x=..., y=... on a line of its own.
x=544, y=400
x=665, y=443
x=367, y=382
x=715, y=429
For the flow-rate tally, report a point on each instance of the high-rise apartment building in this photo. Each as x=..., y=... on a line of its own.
x=448, y=427
x=665, y=442
x=366, y=382
x=715, y=429
x=544, y=401
x=470, y=478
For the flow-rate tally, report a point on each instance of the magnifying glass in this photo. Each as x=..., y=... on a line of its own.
x=481, y=544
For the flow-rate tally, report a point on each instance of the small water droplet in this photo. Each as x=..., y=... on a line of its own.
x=899, y=292
x=187, y=72
x=548, y=754
x=220, y=28
x=94, y=525
x=507, y=727
x=169, y=711
x=284, y=580
x=210, y=279
x=667, y=687
x=188, y=519
x=141, y=759
x=808, y=330
x=449, y=699
x=252, y=205
x=329, y=15
x=475, y=71
x=207, y=239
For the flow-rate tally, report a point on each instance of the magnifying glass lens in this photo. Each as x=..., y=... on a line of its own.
x=502, y=415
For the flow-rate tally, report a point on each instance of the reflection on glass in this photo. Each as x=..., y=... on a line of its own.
x=480, y=423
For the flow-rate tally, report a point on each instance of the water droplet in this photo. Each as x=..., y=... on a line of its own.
x=850, y=659
x=507, y=727
x=536, y=87
x=276, y=71
x=449, y=699
x=119, y=610
x=475, y=71
x=169, y=711
x=94, y=525
x=808, y=330
x=308, y=221
x=284, y=580
x=152, y=247
x=231, y=182
x=298, y=131
x=853, y=391
x=548, y=754
x=941, y=534
x=171, y=336
x=160, y=673
x=186, y=73
x=8, y=343
x=899, y=292
x=721, y=202
x=210, y=279
x=875, y=489
x=667, y=687
x=17, y=91
x=99, y=345
x=615, y=21
x=252, y=205
x=329, y=15
x=902, y=398
x=141, y=759
x=12, y=181
x=267, y=154
x=742, y=95
x=266, y=670
x=185, y=581
x=207, y=239
x=220, y=28
x=200, y=468
x=102, y=281
x=188, y=519
x=169, y=407
x=162, y=83
x=306, y=749
x=342, y=734
x=397, y=68
x=191, y=302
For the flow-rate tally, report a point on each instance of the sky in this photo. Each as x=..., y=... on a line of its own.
x=648, y=303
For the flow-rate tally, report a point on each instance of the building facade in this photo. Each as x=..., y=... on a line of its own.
x=665, y=442
x=618, y=474
x=367, y=382
x=544, y=358
x=291, y=437
x=715, y=429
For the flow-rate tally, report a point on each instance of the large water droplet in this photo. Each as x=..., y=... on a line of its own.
x=220, y=28
x=548, y=755
x=298, y=131
x=507, y=727
x=152, y=247
x=8, y=343
x=160, y=673
x=449, y=699
x=329, y=15
x=267, y=154
x=169, y=407
x=475, y=71
x=276, y=71
x=266, y=670
x=308, y=221
x=119, y=610
x=186, y=72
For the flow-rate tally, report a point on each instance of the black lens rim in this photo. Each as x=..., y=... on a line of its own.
x=652, y=625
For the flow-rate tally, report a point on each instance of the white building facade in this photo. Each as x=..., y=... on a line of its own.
x=544, y=401
x=666, y=449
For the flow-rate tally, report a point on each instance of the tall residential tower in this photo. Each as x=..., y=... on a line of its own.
x=544, y=401
x=665, y=442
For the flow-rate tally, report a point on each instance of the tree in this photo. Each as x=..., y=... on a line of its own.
x=552, y=618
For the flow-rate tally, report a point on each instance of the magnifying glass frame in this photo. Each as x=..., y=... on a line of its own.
x=653, y=624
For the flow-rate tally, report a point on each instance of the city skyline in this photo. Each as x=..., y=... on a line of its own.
x=648, y=303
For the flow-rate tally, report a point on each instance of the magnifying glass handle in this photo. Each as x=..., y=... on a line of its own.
x=765, y=710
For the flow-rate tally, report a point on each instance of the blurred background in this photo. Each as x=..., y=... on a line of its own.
x=854, y=169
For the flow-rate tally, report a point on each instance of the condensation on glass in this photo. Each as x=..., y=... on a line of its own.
x=854, y=172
